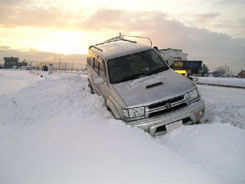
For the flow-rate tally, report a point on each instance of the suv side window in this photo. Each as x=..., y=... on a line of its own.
x=96, y=66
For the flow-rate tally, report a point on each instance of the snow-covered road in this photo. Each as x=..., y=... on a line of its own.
x=52, y=130
x=239, y=82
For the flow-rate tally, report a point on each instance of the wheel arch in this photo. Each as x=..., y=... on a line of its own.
x=112, y=107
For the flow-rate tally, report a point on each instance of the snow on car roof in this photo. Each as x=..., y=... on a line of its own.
x=117, y=48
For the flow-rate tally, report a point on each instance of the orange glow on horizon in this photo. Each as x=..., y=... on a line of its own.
x=57, y=41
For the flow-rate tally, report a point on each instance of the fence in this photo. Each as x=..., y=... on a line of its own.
x=58, y=65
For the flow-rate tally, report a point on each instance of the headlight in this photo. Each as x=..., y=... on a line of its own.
x=134, y=112
x=192, y=95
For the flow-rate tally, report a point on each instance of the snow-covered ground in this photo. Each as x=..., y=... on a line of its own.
x=222, y=81
x=224, y=105
x=52, y=130
x=12, y=81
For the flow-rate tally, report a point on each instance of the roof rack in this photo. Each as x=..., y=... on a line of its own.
x=121, y=37
x=94, y=46
x=114, y=40
x=138, y=37
x=117, y=38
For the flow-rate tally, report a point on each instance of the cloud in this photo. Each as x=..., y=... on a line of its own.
x=4, y=47
x=29, y=13
x=107, y=19
x=205, y=16
x=211, y=47
x=49, y=14
x=235, y=27
x=12, y=2
x=228, y=2
x=198, y=18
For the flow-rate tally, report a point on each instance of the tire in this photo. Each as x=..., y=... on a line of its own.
x=91, y=87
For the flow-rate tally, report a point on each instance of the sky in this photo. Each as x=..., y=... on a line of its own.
x=209, y=30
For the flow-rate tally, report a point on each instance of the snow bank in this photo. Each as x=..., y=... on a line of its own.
x=216, y=148
x=222, y=81
x=91, y=151
x=52, y=130
x=55, y=131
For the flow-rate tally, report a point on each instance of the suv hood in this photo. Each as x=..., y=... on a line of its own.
x=154, y=88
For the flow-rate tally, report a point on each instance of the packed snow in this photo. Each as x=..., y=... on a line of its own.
x=224, y=105
x=216, y=148
x=52, y=130
x=222, y=81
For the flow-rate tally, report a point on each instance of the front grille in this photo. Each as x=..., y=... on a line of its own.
x=162, y=103
x=165, y=111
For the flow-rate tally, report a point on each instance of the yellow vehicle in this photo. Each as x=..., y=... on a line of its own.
x=183, y=72
x=179, y=67
x=187, y=68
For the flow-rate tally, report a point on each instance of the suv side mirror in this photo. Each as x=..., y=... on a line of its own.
x=98, y=80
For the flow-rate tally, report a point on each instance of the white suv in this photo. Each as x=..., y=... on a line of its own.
x=140, y=88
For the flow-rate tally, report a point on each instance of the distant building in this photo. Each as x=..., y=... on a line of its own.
x=23, y=63
x=242, y=74
x=10, y=62
x=13, y=62
x=178, y=61
x=171, y=55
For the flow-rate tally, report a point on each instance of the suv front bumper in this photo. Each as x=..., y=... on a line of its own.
x=188, y=115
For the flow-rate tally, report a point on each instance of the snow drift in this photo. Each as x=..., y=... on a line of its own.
x=52, y=130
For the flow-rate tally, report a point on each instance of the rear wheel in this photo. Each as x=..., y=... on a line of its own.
x=91, y=87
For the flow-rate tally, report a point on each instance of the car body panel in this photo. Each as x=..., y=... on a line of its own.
x=136, y=93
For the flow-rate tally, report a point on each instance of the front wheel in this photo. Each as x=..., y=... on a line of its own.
x=108, y=108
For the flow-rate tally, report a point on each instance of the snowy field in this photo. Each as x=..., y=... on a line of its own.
x=53, y=131
x=222, y=81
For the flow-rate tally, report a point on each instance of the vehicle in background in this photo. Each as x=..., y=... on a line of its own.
x=45, y=68
x=187, y=68
x=178, y=61
x=139, y=87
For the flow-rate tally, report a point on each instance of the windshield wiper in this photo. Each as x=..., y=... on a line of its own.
x=157, y=70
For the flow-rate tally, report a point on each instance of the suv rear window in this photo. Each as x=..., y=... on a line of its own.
x=135, y=65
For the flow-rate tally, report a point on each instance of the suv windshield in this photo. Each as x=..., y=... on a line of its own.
x=135, y=66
